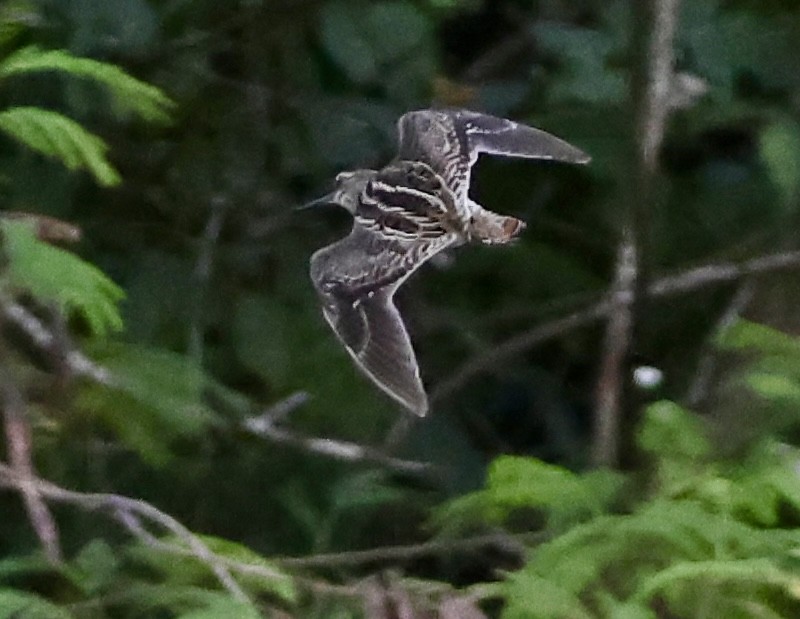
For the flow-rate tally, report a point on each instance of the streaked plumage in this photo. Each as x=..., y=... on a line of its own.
x=403, y=215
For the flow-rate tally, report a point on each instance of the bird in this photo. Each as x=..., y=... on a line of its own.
x=404, y=214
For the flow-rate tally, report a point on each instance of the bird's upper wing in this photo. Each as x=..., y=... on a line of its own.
x=356, y=279
x=451, y=140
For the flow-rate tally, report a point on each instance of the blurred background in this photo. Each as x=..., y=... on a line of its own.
x=269, y=101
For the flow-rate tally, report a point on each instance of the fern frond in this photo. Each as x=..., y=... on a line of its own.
x=751, y=571
x=57, y=136
x=129, y=93
x=52, y=274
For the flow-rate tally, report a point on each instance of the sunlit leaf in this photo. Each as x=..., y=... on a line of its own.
x=54, y=135
x=15, y=604
x=672, y=432
x=779, y=143
x=55, y=275
x=129, y=93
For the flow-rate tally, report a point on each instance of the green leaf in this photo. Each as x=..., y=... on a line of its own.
x=366, y=40
x=54, y=275
x=775, y=387
x=264, y=578
x=521, y=483
x=516, y=482
x=224, y=609
x=278, y=583
x=586, y=74
x=129, y=93
x=157, y=397
x=149, y=598
x=364, y=490
x=779, y=144
x=344, y=41
x=530, y=596
x=16, y=16
x=259, y=326
x=672, y=432
x=54, y=135
x=16, y=604
x=96, y=566
x=759, y=570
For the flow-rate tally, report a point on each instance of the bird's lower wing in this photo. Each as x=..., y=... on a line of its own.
x=356, y=279
x=373, y=332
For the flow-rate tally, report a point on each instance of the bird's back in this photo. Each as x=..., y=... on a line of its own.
x=407, y=200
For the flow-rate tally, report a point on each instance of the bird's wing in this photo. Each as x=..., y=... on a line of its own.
x=356, y=279
x=451, y=140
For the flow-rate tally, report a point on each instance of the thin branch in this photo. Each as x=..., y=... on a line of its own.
x=513, y=544
x=122, y=509
x=265, y=426
x=691, y=280
x=652, y=80
x=43, y=337
x=706, y=366
x=202, y=275
x=20, y=445
x=616, y=349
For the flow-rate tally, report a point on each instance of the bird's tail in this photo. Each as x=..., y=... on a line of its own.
x=491, y=228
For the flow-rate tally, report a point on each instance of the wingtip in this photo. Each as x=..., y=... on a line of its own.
x=419, y=406
x=421, y=410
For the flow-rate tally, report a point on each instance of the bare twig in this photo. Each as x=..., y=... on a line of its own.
x=652, y=80
x=19, y=439
x=202, y=275
x=687, y=281
x=43, y=337
x=513, y=544
x=125, y=510
x=698, y=391
x=617, y=345
x=265, y=426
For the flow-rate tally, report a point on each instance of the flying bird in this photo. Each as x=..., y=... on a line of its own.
x=403, y=215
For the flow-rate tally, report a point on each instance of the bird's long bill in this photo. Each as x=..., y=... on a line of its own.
x=325, y=200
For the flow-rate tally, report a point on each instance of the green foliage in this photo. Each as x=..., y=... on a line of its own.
x=145, y=581
x=515, y=483
x=15, y=604
x=54, y=135
x=15, y=15
x=129, y=94
x=588, y=74
x=707, y=539
x=387, y=43
x=275, y=99
x=155, y=398
x=53, y=275
x=779, y=144
x=187, y=571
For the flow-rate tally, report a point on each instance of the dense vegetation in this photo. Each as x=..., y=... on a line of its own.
x=184, y=437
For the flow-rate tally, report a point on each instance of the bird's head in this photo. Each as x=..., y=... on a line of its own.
x=348, y=187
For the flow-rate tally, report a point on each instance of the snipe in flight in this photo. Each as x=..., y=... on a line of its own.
x=404, y=214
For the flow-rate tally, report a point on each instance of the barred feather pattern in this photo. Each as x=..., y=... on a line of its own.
x=404, y=214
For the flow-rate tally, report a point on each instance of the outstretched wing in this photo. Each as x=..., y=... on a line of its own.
x=356, y=279
x=451, y=140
